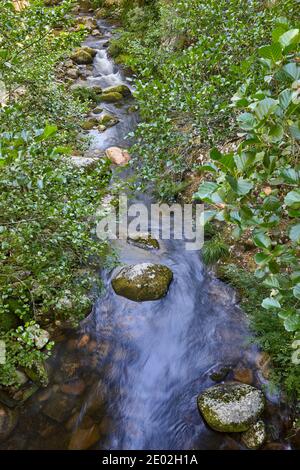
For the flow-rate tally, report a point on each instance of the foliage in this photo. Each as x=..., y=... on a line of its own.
x=214, y=250
x=257, y=187
x=48, y=248
x=268, y=329
x=188, y=70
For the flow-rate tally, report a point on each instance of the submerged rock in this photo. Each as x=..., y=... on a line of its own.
x=255, y=436
x=83, y=439
x=143, y=240
x=124, y=90
x=108, y=120
x=111, y=97
x=117, y=156
x=219, y=373
x=89, y=124
x=145, y=281
x=231, y=407
x=8, y=421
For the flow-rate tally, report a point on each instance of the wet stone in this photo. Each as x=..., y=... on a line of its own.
x=243, y=374
x=219, y=373
x=8, y=421
x=255, y=436
x=75, y=387
x=59, y=407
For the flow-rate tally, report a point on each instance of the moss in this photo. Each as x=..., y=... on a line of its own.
x=122, y=89
x=111, y=97
x=231, y=407
x=144, y=241
x=255, y=436
x=89, y=124
x=142, y=282
x=83, y=55
x=108, y=120
x=8, y=321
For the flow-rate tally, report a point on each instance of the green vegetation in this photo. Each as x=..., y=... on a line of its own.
x=256, y=187
x=268, y=328
x=47, y=206
x=214, y=250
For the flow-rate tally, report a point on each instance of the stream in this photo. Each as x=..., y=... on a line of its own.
x=129, y=377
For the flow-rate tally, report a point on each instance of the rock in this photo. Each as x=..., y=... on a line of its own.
x=145, y=281
x=72, y=73
x=88, y=22
x=231, y=407
x=89, y=124
x=38, y=335
x=143, y=240
x=8, y=421
x=83, y=439
x=264, y=364
x=108, y=120
x=85, y=5
x=75, y=387
x=122, y=89
x=52, y=3
x=96, y=32
x=38, y=374
x=21, y=377
x=117, y=156
x=83, y=341
x=255, y=436
x=219, y=373
x=97, y=110
x=83, y=55
x=111, y=97
x=243, y=374
x=275, y=446
x=83, y=162
x=59, y=407
x=295, y=439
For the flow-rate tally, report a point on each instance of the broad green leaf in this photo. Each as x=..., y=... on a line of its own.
x=208, y=216
x=265, y=107
x=285, y=97
x=270, y=302
x=272, y=52
x=205, y=190
x=246, y=121
x=296, y=291
x=239, y=186
x=295, y=130
x=271, y=203
x=215, y=154
x=292, y=70
x=289, y=37
x=272, y=282
x=262, y=240
x=294, y=233
x=261, y=258
x=47, y=133
x=276, y=133
x=290, y=175
x=292, y=198
x=292, y=323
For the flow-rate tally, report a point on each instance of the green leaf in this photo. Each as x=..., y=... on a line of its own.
x=205, y=190
x=292, y=70
x=285, y=97
x=272, y=52
x=208, y=216
x=290, y=175
x=276, y=133
x=271, y=203
x=262, y=240
x=292, y=323
x=295, y=130
x=294, y=233
x=215, y=154
x=47, y=133
x=290, y=37
x=296, y=291
x=261, y=258
x=292, y=198
x=239, y=186
x=270, y=302
x=246, y=121
x=265, y=107
x=272, y=281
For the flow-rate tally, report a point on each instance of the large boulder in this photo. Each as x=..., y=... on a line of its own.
x=145, y=281
x=112, y=97
x=83, y=55
x=117, y=156
x=8, y=421
x=122, y=89
x=231, y=407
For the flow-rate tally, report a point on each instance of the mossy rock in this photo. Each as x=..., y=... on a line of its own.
x=111, y=97
x=231, y=407
x=255, y=436
x=83, y=55
x=108, y=120
x=89, y=124
x=144, y=240
x=141, y=282
x=122, y=89
x=38, y=374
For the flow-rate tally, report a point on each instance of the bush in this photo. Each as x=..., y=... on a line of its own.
x=257, y=187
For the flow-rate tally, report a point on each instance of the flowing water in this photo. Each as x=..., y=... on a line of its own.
x=130, y=376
